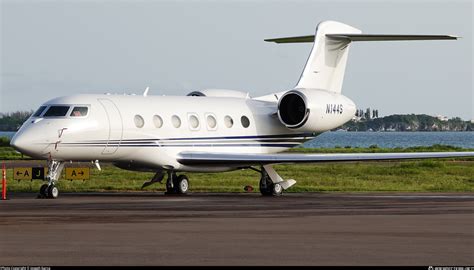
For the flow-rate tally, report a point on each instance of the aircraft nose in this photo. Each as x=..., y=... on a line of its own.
x=18, y=142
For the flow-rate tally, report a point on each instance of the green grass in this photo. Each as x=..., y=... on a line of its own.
x=407, y=176
x=8, y=153
x=446, y=175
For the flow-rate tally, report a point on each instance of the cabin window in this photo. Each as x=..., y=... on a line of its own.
x=228, y=121
x=176, y=121
x=79, y=111
x=211, y=122
x=193, y=122
x=56, y=111
x=39, y=111
x=245, y=121
x=139, y=121
x=157, y=121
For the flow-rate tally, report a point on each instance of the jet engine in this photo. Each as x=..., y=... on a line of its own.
x=311, y=110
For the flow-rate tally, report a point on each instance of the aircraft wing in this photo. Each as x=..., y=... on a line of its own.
x=207, y=158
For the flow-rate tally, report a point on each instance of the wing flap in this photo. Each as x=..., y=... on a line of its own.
x=206, y=158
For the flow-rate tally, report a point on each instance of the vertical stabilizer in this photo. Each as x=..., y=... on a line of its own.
x=327, y=62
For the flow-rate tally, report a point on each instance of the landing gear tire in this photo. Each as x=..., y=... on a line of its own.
x=181, y=184
x=53, y=192
x=264, y=186
x=277, y=190
x=43, y=193
x=268, y=188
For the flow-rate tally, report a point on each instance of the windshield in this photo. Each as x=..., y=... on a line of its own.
x=56, y=111
x=39, y=111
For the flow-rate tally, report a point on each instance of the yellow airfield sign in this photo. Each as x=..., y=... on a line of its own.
x=77, y=173
x=22, y=173
x=32, y=173
x=29, y=173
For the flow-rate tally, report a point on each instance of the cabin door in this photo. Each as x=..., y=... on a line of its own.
x=114, y=119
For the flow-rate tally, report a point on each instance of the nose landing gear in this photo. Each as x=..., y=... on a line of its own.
x=49, y=190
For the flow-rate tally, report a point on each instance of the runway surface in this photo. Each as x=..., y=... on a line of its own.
x=238, y=229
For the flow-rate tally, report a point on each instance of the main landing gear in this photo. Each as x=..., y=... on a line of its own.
x=267, y=187
x=175, y=184
x=49, y=190
x=271, y=184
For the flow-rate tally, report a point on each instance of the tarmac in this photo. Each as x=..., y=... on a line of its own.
x=238, y=229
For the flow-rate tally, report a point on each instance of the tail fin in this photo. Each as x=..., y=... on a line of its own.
x=326, y=64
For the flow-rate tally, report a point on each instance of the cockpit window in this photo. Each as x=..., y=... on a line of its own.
x=39, y=111
x=56, y=111
x=79, y=111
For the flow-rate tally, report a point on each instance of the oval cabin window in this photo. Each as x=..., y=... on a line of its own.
x=157, y=121
x=176, y=121
x=245, y=121
x=228, y=121
x=193, y=122
x=139, y=122
x=211, y=122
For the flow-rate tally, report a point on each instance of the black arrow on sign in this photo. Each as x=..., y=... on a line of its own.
x=18, y=173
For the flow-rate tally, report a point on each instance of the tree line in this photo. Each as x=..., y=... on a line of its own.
x=408, y=122
x=12, y=121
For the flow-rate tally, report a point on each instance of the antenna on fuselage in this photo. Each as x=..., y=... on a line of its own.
x=146, y=91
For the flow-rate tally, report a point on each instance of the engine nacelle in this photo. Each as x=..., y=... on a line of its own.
x=219, y=93
x=313, y=110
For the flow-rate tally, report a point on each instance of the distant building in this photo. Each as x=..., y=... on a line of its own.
x=366, y=114
x=442, y=118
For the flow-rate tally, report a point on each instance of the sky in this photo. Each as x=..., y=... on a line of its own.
x=56, y=48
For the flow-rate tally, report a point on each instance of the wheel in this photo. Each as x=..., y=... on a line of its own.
x=266, y=186
x=43, y=193
x=44, y=190
x=181, y=184
x=277, y=189
x=53, y=192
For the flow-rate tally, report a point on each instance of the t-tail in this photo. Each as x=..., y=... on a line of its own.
x=316, y=104
x=326, y=64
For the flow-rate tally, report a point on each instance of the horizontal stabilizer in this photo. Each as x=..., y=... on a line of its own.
x=302, y=39
x=372, y=37
x=361, y=37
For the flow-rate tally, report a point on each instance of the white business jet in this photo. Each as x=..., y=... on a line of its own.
x=212, y=130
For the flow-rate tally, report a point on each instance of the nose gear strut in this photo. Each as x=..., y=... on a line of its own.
x=50, y=190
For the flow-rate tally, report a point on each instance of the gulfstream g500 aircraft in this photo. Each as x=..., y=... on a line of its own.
x=209, y=130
